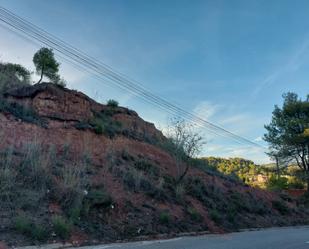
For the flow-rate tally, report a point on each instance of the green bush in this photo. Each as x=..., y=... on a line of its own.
x=164, y=218
x=215, y=216
x=276, y=184
x=104, y=124
x=280, y=206
x=112, y=103
x=12, y=76
x=194, y=214
x=99, y=198
x=61, y=227
x=24, y=226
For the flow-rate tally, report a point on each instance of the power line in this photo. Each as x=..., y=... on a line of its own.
x=102, y=70
x=126, y=86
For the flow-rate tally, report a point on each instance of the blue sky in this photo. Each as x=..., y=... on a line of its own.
x=228, y=61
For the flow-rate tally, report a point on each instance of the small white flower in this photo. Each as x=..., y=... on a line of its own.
x=85, y=192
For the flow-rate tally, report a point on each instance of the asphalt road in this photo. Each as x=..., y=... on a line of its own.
x=274, y=238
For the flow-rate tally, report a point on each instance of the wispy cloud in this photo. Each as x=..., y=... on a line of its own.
x=206, y=109
x=292, y=64
x=232, y=119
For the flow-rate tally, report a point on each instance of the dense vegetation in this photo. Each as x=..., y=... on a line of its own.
x=288, y=132
x=263, y=176
x=13, y=75
x=246, y=170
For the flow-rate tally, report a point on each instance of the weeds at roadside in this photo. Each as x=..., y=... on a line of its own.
x=30, y=229
x=164, y=218
x=61, y=227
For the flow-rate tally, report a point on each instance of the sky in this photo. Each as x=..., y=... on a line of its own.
x=227, y=61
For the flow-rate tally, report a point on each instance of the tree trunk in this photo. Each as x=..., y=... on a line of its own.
x=277, y=167
x=41, y=75
x=183, y=175
x=307, y=178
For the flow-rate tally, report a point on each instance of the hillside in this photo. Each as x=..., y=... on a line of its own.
x=246, y=170
x=73, y=169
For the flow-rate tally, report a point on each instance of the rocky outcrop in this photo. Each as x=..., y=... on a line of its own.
x=54, y=102
x=63, y=107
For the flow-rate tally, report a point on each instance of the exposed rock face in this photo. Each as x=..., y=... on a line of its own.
x=69, y=106
x=62, y=109
x=54, y=102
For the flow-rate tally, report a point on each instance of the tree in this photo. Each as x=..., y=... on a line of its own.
x=183, y=143
x=288, y=132
x=13, y=75
x=46, y=65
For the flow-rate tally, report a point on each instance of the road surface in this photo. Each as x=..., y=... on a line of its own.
x=273, y=238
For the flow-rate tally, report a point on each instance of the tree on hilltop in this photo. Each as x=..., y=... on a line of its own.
x=46, y=65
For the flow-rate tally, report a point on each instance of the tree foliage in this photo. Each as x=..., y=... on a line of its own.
x=13, y=75
x=46, y=65
x=288, y=132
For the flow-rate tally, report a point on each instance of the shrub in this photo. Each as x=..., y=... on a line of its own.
x=99, y=198
x=39, y=233
x=276, y=184
x=61, y=227
x=180, y=192
x=82, y=125
x=164, y=218
x=125, y=155
x=215, y=216
x=280, y=206
x=24, y=226
x=112, y=103
x=104, y=124
x=21, y=112
x=147, y=167
x=194, y=214
x=70, y=185
x=132, y=179
x=35, y=165
x=13, y=75
x=7, y=179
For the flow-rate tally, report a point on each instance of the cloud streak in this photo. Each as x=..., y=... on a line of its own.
x=293, y=63
x=240, y=123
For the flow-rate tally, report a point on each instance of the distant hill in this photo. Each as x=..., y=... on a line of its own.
x=246, y=170
x=75, y=170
